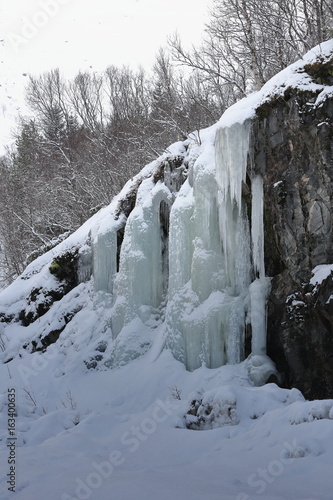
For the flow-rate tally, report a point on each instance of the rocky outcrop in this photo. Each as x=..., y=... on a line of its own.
x=292, y=145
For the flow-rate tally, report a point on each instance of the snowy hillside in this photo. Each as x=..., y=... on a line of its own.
x=134, y=352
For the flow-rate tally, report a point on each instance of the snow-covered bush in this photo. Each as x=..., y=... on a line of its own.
x=214, y=409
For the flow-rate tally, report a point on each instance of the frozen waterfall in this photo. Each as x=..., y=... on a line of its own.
x=140, y=284
x=185, y=269
x=217, y=286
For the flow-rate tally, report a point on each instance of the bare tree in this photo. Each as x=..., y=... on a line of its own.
x=248, y=41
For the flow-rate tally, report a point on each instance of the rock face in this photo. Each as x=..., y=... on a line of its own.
x=292, y=145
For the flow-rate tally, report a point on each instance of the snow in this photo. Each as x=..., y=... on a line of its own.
x=95, y=415
x=121, y=431
x=320, y=273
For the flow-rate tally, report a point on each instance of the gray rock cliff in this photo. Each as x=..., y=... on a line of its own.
x=292, y=147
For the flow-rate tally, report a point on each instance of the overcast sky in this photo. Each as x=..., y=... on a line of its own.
x=38, y=35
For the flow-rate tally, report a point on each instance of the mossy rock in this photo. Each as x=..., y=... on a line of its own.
x=64, y=268
x=54, y=268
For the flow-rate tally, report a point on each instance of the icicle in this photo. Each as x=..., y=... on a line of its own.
x=259, y=290
x=180, y=243
x=231, y=162
x=104, y=260
x=231, y=150
x=232, y=146
x=257, y=229
x=85, y=266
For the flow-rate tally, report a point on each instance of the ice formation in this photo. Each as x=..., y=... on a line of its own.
x=141, y=282
x=177, y=260
x=217, y=286
x=185, y=270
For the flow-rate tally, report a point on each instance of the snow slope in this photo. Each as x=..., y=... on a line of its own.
x=127, y=432
x=120, y=434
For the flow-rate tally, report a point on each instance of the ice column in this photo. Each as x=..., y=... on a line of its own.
x=104, y=260
x=231, y=150
x=243, y=253
x=259, y=288
x=140, y=283
x=180, y=298
x=194, y=317
x=231, y=147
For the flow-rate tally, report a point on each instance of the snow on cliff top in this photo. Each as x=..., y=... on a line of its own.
x=294, y=76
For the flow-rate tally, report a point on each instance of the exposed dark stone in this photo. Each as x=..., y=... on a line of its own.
x=164, y=215
x=126, y=204
x=93, y=361
x=42, y=344
x=44, y=341
x=6, y=318
x=65, y=268
x=120, y=238
x=172, y=171
x=102, y=346
x=50, y=338
x=42, y=300
x=165, y=218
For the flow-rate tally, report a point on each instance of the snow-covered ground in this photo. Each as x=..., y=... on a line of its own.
x=121, y=434
x=69, y=432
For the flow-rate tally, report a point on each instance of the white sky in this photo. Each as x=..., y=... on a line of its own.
x=38, y=35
